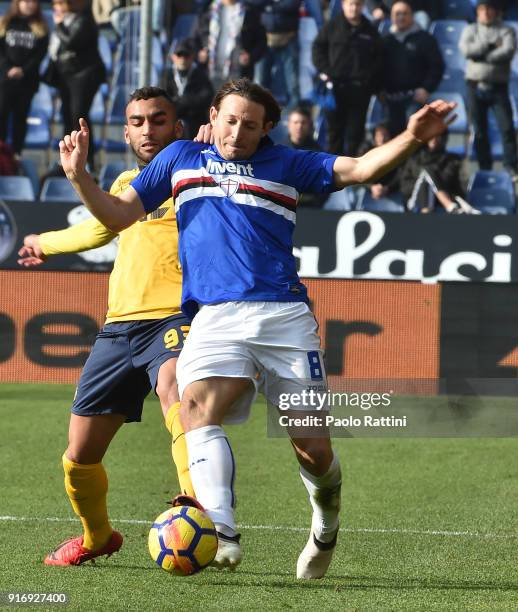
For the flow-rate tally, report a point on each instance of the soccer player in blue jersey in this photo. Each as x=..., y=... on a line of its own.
x=235, y=204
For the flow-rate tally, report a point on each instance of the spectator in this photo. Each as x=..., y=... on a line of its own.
x=300, y=129
x=281, y=21
x=23, y=44
x=300, y=133
x=431, y=177
x=413, y=66
x=190, y=88
x=425, y=11
x=348, y=52
x=388, y=183
x=489, y=46
x=75, y=67
x=230, y=39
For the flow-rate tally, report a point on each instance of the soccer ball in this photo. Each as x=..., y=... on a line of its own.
x=183, y=540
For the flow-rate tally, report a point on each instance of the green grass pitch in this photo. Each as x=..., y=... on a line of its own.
x=428, y=524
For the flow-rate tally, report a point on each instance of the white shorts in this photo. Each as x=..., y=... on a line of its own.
x=275, y=344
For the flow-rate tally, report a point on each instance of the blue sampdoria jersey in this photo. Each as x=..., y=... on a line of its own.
x=236, y=218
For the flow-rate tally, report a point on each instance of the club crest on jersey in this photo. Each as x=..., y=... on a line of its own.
x=229, y=186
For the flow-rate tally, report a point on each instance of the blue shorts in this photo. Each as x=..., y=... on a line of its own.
x=123, y=365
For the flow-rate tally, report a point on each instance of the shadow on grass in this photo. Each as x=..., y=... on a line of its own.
x=337, y=583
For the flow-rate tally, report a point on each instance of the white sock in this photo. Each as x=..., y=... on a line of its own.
x=324, y=495
x=212, y=469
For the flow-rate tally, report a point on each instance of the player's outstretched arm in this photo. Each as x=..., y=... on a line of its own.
x=114, y=212
x=431, y=120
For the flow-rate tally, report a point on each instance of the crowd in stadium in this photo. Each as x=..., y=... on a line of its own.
x=348, y=75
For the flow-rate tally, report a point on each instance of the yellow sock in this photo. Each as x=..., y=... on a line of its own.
x=179, y=449
x=86, y=487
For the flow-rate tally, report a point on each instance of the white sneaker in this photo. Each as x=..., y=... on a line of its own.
x=315, y=558
x=229, y=552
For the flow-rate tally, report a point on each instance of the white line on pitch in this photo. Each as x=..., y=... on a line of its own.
x=425, y=532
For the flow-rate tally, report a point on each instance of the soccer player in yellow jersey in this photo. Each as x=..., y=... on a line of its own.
x=137, y=348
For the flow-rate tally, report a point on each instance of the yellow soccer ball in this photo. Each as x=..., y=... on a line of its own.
x=183, y=540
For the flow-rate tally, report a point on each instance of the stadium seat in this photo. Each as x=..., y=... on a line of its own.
x=495, y=201
x=458, y=9
x=42, y=102
x=110, y=171
x=395, y=203
x=30, y=170
x=16, y=188
x=453, y=81
x=453, y=58
x=38, y=131
x=58, y=189
x=491, y=191
x=491, y=179
x=447, y=31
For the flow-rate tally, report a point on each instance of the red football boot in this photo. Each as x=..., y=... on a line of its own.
x=71, y=552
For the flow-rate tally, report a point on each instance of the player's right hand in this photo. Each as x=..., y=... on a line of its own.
x=31, y=253
x=73, y=151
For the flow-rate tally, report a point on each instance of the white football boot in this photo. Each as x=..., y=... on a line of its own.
x=229, y=551
x=316, y=556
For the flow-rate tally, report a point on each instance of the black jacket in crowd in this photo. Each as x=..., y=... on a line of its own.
x=443, y=167
x=21, y=47
x=348, y=53
x=193, y=105
x=433, y=8
x=78, y=50
x=278, y=15
x=415, y=62
x=252, y=40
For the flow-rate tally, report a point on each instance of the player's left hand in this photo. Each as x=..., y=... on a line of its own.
x=205, y=134
x=73, y=151
x=431, y=120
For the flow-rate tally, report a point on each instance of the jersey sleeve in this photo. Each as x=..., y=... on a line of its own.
x=84, y=236
x=310, y=171
x=153, y=184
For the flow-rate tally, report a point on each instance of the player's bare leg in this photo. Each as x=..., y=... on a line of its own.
x=167, y=391
x=211, y=462
x=320, y=473
x=86, y=485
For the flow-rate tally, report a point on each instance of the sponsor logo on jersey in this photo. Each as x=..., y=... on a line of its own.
x=215, y=167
